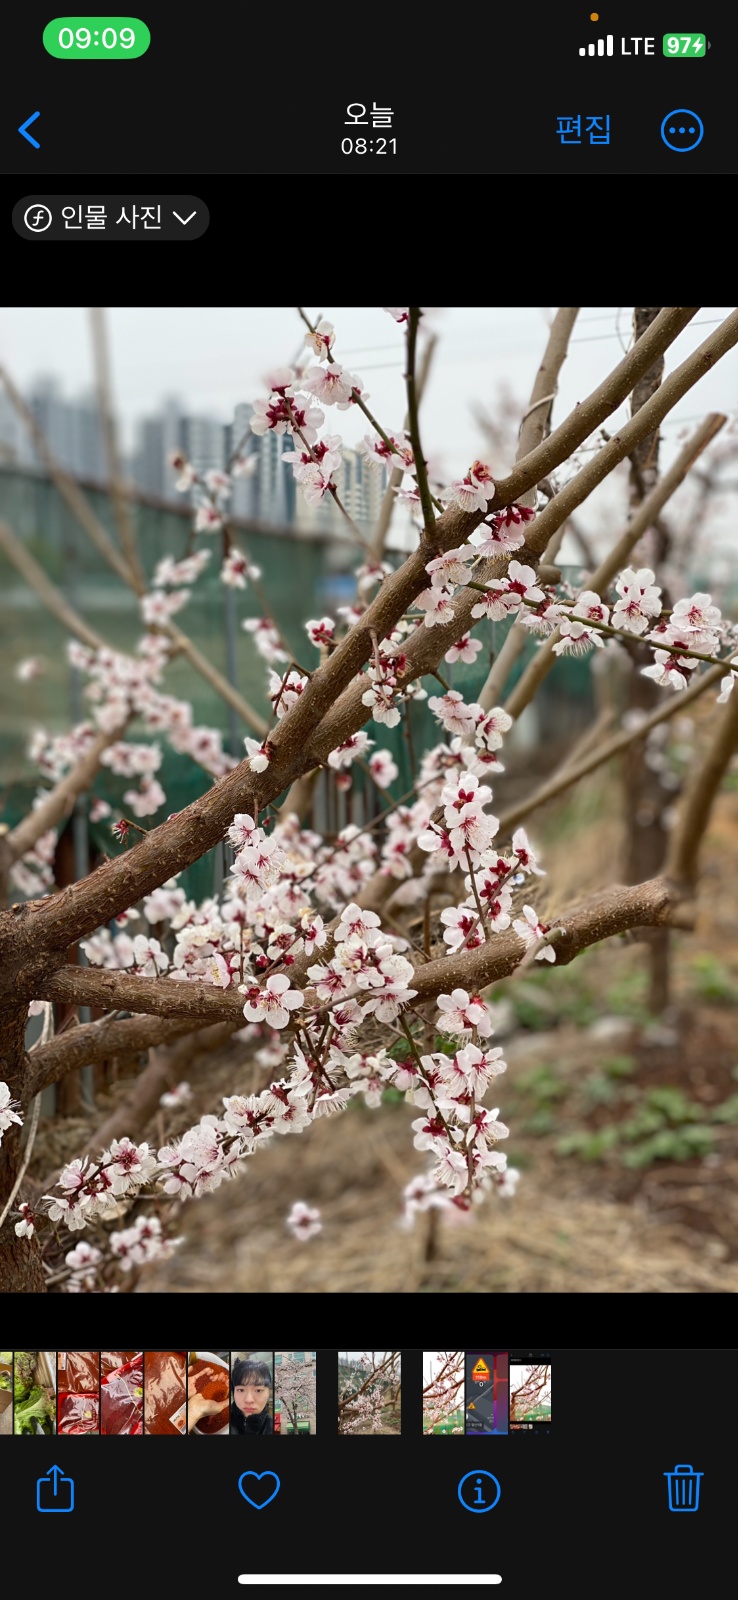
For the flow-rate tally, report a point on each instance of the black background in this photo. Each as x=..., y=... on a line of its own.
x=583, y=1509
x=264, y=90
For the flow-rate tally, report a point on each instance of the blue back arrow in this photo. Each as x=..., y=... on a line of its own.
x=23, y=129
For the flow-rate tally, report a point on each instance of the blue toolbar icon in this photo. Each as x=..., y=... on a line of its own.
x=23, y=130
x=684, y=1488
x=479, y=1491
x=682, y=131
x=55, y=1492
x=259, y=1497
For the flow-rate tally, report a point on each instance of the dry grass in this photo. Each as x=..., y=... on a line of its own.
x=553, y=1237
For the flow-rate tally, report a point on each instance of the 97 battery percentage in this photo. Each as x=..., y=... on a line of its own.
x=684, y=44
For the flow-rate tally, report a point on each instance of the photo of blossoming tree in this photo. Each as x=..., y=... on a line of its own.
x=443, y=1391
x=369, y=1394
x=403, y=856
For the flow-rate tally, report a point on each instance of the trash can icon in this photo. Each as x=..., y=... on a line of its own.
x=684, y=1488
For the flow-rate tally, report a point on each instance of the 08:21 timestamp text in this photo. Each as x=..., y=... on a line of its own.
x=362, y=147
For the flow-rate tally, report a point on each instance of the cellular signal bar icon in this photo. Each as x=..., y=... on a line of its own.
x=602, y=47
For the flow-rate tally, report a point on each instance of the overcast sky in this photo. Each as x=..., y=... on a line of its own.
x=214, y=357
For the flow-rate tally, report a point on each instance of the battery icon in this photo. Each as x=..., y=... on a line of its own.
x=603, y=47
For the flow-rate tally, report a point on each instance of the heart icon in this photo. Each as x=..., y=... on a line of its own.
x=259, y=1505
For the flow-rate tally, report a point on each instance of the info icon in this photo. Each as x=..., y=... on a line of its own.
x=479, y=1491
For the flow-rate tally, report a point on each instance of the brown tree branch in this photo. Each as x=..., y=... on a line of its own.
x=47, y=592
x=97, y=1041
x=69, y=490
x=90, y=524
x=118, y=497
x=59, y=801
x=642, y=519
x=421, y=471
x=185, y=646
x=686, y=843
x=572, y=771
x=534, y=427
x=161, y=997
x=613, y=911
x=396, y=476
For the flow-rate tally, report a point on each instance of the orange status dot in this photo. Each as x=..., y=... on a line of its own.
x=594, y=16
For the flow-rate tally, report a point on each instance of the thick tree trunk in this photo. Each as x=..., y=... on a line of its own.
x=20, y=1263
x=644, y=796
x=20, y=1259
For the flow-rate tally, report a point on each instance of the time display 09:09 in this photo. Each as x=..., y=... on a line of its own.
x=96, y=38
x=362, y=147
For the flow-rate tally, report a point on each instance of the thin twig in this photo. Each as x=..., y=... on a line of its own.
x=421, y=470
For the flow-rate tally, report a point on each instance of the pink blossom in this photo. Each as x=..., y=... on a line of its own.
x=7, y=1112
x=639, y=600
x=508, y=594
x=368, y=574
x=462, y=928
x=465, y=649
x=436, y=603
x=525, y=856
x=357, y=924
x=332, y=385
x=272, y=1003
x=146, y=800
x=321, y=632
x=383, y=768
x=321, y=339
x=589, y=606
x=671, y=671
x=315, y=482
x=697, y=614
x=303, y=1220
x=726, y=684
x=170, y=573
x=236, y=569
x=241, y=830
x=83, y=1255
x=259, y=755
x=575, y=638
x=450, y=568
x=218, y=483
x=468, y=493
x=28, y=669
x=395, y=454
x=149, y=957
x=490, y=728
x=381, y=698
x=451, y=1169
x=461, y=1014
x=531, y=930
x=172, y=1099
x=285, y=692
x=266, y=637
x=208, y=520
x=356, y=745
x=453, y=713
x=158, y=608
